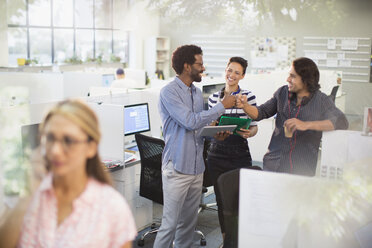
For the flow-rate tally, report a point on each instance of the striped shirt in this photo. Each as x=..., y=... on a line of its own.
x=303, y=147
x=216, y=98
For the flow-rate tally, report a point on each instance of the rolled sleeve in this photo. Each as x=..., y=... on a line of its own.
x=183, y=115
x=268, y=109
x=332, y=113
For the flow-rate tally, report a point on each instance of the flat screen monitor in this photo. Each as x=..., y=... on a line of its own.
x=136, y=119
x=208, y=90
x=30, y=138
x=107, y=79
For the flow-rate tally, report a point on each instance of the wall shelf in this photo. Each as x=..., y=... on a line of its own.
x=350, y=55
x=217, y=49
x=157, y=56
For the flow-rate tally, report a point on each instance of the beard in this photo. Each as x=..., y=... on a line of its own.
x=195, y=75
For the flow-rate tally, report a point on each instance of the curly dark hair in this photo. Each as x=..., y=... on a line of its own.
x=239, y=60
x=309, y=73
x=184, y=54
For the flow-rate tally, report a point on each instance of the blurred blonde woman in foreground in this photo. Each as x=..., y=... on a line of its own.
x=75, y=205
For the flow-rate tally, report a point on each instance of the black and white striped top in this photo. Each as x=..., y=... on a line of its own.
x=216, y=98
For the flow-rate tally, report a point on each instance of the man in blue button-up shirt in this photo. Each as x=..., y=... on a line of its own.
x=182, y=115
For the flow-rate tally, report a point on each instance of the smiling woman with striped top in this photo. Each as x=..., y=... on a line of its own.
x=231, y=152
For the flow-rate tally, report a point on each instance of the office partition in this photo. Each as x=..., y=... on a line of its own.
x=30, y=88
x=77, y=84
x=111, y=121
x=282, y=210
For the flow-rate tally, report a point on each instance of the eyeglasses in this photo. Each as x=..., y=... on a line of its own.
x=197, y=63
x=67, y=143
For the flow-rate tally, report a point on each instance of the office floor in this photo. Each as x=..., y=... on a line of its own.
x=207, y=223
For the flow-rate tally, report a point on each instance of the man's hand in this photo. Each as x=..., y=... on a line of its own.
x=213, y=123
x=294, y=124
x=241, y=100
x=229, y=101
x=245, y=133
x=222, y=135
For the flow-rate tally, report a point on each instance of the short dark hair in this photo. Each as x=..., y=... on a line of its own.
x=119, y=71
x=184, y=54
x=308, y=72
x=239, y=60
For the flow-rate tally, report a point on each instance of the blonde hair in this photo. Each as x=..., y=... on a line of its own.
x=83, y=116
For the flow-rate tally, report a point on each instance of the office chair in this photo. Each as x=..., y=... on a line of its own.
x=151, y=186
x=334, y=92
x=228, y=184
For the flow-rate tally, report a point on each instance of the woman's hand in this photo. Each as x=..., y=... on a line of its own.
x=245, y=133
x=220, y=136
x=241, y=100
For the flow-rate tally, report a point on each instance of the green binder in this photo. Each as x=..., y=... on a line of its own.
x=240, y=122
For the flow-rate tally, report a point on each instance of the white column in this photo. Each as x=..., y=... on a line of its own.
x=3, y=62
x=140, y=23
x=3, y=34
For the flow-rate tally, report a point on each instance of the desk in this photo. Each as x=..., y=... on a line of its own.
x=288, y=211
x=127, y=181
x=340, y=148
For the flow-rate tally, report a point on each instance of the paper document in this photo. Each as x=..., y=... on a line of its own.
x=128, y=156
x=267, y=206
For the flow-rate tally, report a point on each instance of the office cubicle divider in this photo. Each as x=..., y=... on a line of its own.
x=111, y=121
x=282, y=210
x=150, y=96
x=77, y=84
x=31, y=88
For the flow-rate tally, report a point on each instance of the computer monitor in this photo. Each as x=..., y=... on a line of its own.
x=136, y=119
x=107, y=79
x=30, y=138
x=208, y=90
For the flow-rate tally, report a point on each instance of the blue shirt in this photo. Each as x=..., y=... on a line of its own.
x=182, y=116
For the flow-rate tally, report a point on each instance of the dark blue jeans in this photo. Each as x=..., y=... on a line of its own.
x=223, y=158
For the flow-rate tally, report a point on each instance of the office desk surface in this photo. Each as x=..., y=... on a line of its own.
x=127, y=182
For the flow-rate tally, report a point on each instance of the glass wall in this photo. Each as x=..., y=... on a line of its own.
x=58, y=31
x=40, y=45
x=63, y=44
x=17, y=44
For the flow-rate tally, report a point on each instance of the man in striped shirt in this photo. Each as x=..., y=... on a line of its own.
x=303, y=110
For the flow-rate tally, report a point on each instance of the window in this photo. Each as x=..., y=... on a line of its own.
x=103, y=14
x=103, y=45
x=84, y=13
x=56, y=30
x=39, y=13
x=16, y=12
x=40, y=44
x=17, y=44
x=62, y=13
x=63, y=44
x=84, y=43
x=121, y=45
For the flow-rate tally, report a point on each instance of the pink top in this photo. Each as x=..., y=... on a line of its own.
x=100, y=218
